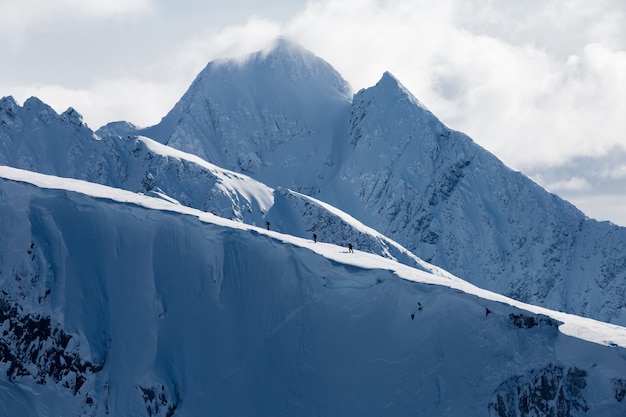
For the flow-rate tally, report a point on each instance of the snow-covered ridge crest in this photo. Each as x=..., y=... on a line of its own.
x=583, y=328
x=229, y=180
x=333, y=225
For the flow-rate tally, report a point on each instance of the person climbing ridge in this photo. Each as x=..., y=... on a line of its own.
x=350, y=248
x=314, y=238
x=267, y=224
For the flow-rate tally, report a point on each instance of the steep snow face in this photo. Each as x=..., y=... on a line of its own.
x=455, y=205
x=159, y=313
x=391, y=135
x=278, y=115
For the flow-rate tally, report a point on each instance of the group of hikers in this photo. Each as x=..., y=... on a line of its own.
x=350, y=248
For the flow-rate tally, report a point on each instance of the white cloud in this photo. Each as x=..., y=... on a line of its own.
x=535, y=82
x=23, y=15
x=230, y=42
x=617, y=172
x=532, y=91
x=531, y=98
x=127, y=99
x=571, y=184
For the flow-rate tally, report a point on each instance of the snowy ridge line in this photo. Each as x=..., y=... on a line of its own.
x=575, y=326
x=356, y=224
x=262, y=193
x=105, y=192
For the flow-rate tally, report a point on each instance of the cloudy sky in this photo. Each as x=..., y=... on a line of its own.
x=540, y=84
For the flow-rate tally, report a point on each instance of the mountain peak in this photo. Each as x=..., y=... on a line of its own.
x=295, y=63
x=7, y=105
x=283, y=45
x=7, y=102
x=285, y=66
x=389, y=82
x=8, y=108
x=279, y=94
x=34, y=103
x=73, y=117
x=389, y=77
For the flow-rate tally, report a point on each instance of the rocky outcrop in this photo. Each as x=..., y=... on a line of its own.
x=33, y=346
x=553, y=391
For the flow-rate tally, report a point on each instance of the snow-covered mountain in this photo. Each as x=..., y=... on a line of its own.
x=278, y=115
x=137, y=276
x=285, y=117
x=34, y=137
x=456, y=205
x=382, y=157
x=116, y=303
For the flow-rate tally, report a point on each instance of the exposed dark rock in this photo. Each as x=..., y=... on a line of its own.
x=524, y=321
x=35, y=347
x=553, y=391
x=158, y=402
x=620, y=388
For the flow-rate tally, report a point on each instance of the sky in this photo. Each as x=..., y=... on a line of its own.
x=542, y=85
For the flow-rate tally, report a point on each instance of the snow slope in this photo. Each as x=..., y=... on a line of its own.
x=166, y=310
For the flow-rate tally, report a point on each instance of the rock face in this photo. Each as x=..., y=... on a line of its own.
x=551, y=391
x=32, y=347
